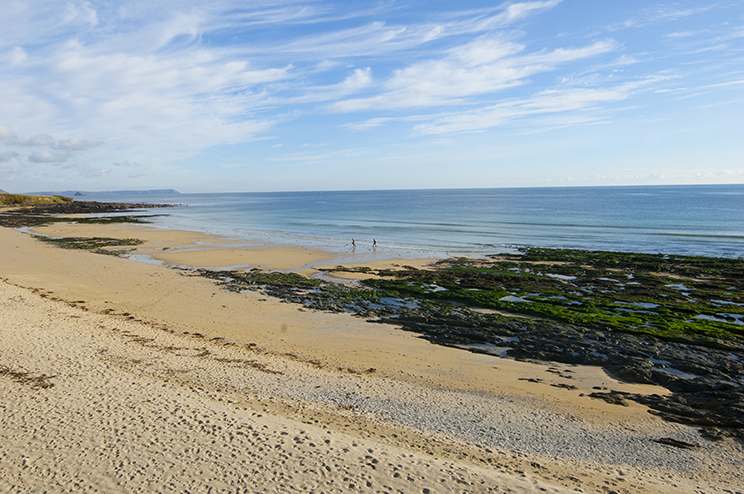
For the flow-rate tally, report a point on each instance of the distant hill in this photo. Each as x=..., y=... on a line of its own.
x=83, y=193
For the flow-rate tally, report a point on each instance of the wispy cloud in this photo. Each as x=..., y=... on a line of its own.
x=542, y=103
x=152, y=86
x=672, y=12
x=484, y=66
x=86, y=170
x=75, y=144
x=656, y=14
x=368, y=124
x=378, y=38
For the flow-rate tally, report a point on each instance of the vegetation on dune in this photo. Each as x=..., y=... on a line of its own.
x=27, y=200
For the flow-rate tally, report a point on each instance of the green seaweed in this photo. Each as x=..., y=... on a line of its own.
x=97, y=244
x=108, y=220
x=258, y=277
x=676, y=298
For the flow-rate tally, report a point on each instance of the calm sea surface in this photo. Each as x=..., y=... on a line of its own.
x=694, y=220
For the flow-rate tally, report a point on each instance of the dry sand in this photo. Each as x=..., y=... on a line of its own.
x=163, y=382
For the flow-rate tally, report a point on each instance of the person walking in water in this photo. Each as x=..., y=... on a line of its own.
x=353, y=243
x=374, y=243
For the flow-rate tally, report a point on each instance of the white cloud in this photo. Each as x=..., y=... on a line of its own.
x=6, y=156
x=152, y=78
x=657, y=14
x=197, y=100
x=683, y=34
x=234, y=165
x=367, y=124
x=125, y=163
x=163, y=80
x=482, y=67
x=484, y=51
x=80, y=12
x=188, y=74
x=517, y=11
x=10, y=138
x=187, y=24
x=8, y=173
x=86, y=170
x=75, y=144
x=7, y=135
x=667, y=13
x=16, y=56
x=48, y=157
x=361, y=78
x=39, y=140
x=542, y=103
x=377, y=38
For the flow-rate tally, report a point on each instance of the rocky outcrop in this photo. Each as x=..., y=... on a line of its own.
x=45, y=213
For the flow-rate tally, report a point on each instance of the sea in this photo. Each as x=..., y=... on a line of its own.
x=705, y=220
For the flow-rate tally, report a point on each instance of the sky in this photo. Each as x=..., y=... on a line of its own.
x=282, y=95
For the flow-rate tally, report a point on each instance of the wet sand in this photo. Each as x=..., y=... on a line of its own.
x=153, y=366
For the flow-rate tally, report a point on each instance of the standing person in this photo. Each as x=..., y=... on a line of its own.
x=353, y=243
x=374, y=243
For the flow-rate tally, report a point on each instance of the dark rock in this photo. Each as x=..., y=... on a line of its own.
x=674, y=442
x=613, y=397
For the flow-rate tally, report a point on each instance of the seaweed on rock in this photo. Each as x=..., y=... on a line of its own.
x=673, y=321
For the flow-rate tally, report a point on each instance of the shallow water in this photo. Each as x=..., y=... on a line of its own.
x=692, y=220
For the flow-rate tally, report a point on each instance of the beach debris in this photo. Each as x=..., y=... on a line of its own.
x=40, y=381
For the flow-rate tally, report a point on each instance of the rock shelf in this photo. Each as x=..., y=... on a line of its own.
x=635, y=315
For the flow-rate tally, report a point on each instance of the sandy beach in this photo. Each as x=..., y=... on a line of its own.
x=126, y=376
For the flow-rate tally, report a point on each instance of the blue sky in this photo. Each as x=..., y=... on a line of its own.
x=231, y=95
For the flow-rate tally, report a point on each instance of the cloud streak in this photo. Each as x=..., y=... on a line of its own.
x=567, y=101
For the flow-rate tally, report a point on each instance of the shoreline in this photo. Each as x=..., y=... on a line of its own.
x=336, y=345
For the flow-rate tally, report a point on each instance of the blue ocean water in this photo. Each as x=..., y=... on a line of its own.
x=693, y=220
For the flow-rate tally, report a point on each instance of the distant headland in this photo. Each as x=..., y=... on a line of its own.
x=79, y=193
